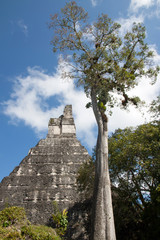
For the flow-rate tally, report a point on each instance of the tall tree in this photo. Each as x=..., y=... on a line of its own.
x=134, y=164
x=105, y=65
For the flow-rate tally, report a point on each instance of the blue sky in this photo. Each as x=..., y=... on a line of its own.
x=32, y=90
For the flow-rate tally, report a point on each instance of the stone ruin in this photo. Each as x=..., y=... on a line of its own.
x=48, y=173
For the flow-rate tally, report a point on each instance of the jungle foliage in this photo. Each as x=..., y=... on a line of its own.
x=15, y=225
x=60, y=219
x=134, y=165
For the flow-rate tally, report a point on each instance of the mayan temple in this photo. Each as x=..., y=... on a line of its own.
x=47, y=173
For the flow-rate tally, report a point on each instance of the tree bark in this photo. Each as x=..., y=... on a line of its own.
x=103, y=221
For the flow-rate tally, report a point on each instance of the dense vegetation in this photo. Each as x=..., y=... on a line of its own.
x=134, y=158
x=14, y=225
x=60, y=219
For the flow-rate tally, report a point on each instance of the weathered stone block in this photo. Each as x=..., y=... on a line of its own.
x=48, y=172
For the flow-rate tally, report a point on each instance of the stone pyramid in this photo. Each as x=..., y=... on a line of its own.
x=48, y=173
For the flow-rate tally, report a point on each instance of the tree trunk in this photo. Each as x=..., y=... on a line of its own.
x=103, y=220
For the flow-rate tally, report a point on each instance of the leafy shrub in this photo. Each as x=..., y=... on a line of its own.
x=60, y=219
x=85, y=178
x=14, y=235
x=3, y=232
x=9, y=233
x=12, y=215
x=14, y=225
x=39, y=232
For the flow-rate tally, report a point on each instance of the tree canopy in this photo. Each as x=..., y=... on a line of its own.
x=100, y=57
x=135, y=173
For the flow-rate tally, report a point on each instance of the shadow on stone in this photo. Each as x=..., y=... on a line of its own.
x=79, y=217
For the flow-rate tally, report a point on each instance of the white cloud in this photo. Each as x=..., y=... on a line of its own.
x=29, y=102
x=96, y=2
x=137, y=4
x=148, y=8
x=157, y=11
x=32, y=94
x=127, y=23
x=23, y=27
x=134, y=117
